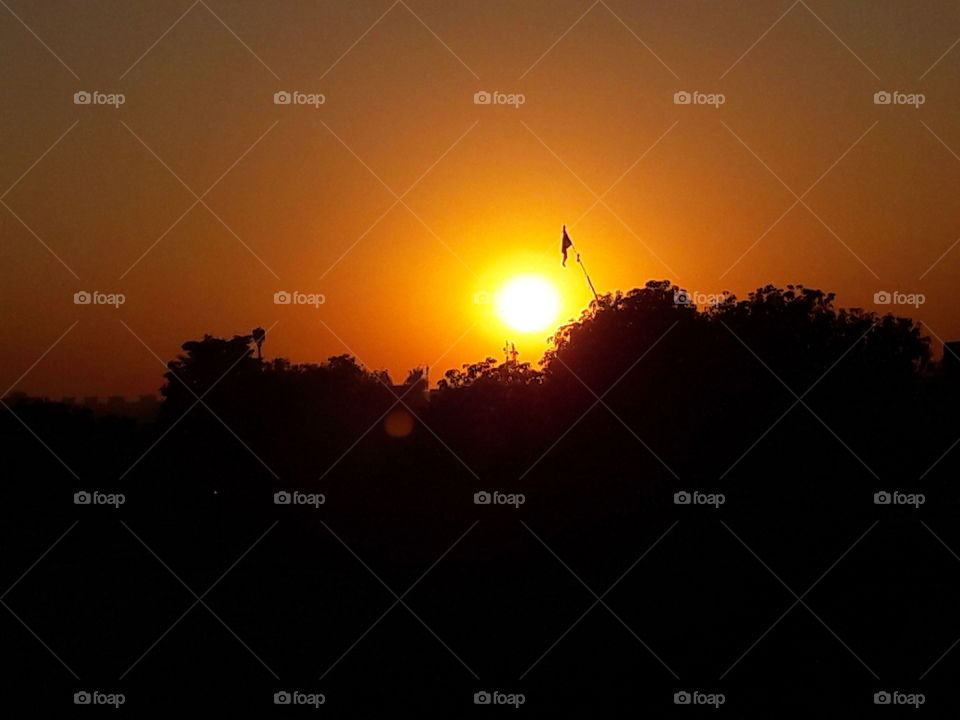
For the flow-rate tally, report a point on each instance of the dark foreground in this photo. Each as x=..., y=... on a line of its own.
x=400, y=594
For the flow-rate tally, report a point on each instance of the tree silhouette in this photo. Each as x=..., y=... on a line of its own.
x=794, y=408
x=259, y=335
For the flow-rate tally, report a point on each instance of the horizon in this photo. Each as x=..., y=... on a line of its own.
x=937, y=350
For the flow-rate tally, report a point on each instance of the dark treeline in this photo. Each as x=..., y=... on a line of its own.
x=793, y=409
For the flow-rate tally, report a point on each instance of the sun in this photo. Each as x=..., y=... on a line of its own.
x=528, y=303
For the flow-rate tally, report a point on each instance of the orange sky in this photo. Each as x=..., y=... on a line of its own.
x=697, y=194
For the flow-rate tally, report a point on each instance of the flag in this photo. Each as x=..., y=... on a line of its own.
x=565, y=243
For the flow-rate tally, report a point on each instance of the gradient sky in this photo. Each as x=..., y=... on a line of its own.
x=703, y=196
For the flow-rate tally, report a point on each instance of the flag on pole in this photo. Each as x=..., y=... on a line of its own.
x=565, y=243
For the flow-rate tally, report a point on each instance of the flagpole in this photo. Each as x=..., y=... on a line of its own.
x=565, y=243
x=586, y=275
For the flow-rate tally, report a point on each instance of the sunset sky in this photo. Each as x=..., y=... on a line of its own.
x=303, y=198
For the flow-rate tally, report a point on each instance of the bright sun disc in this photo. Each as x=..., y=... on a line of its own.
x=527, y=303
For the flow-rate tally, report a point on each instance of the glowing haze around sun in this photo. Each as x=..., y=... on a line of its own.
x=527, y=303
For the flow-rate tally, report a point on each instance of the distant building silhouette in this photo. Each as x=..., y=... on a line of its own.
x=145, y=408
